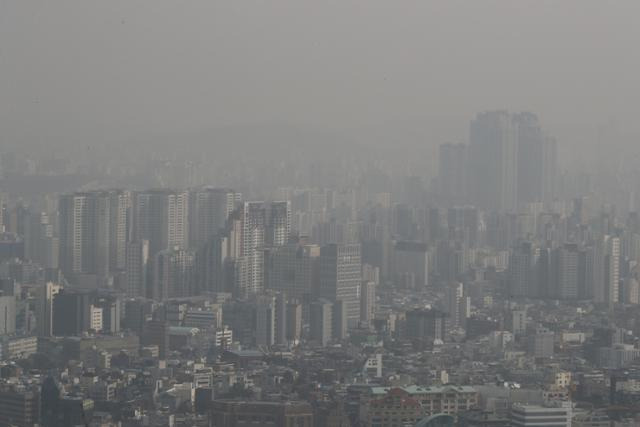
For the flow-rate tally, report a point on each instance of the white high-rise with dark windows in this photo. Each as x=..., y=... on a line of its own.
x=340, y=277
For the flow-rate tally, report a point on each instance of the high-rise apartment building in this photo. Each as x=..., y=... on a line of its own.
x=568, y=271
x=612, y=270
x=522, y=278
x=531, y=156
x=511, y=162
x=493, y=161
x=367, y=302
x=340, y=277
x=119, y=228
x=606, y=270
x=251, y=265
x=209, y=209
x=263, y=225
x=455, y=301
x=162, y=218
x=211, y=258
x=137, y=268
x=173, y=274
x=452, y=173
x=549, y=169
x=93, y=230
x=462, y=224
x=279, y=223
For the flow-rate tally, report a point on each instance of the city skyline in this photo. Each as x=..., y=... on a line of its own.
x=319, y=214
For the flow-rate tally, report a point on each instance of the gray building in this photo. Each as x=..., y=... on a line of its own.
x=321, y=325
x=7, y=315
x=493, y=161
x=534, y=415
x=340, y=277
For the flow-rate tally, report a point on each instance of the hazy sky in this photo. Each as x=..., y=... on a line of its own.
x=73, y=70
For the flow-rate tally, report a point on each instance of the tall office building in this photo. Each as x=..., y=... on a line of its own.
x=493, y=161
x=45, y=295
x=7, y=314
x=585, y=273
x=452, y=173
x=136, y=312
x=292, y=269
x=321, y=324
x=265, y=307
x=49, y=402
x=71, y=313
x=340, y=320
x=340, y=277
x=281, y=320
x=209, y=209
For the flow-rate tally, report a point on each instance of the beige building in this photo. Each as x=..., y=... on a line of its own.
x=386, y=406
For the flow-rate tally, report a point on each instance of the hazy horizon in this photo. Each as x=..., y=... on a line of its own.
x=89, y=73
